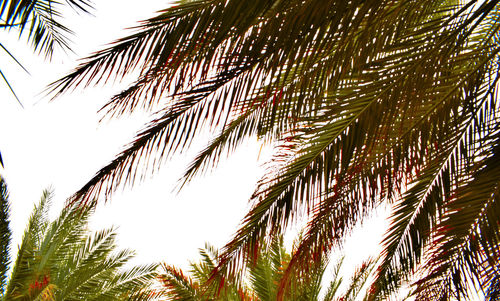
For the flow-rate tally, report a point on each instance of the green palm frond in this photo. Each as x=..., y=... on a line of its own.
x=135, y=283
x=265, y=271
x=261, y=279
x=26, y=255
x=357, y=288
x=226, y=288
x=199, y=286
x=358, y=281
x=178, y=286
x=81, y=270
x=201, y=270
x=62, y=260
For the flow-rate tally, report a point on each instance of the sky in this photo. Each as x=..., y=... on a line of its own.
x=60, y=144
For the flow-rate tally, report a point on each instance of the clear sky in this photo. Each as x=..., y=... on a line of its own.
x=61, y=144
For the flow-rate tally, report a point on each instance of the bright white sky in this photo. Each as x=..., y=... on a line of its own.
x=61, y=145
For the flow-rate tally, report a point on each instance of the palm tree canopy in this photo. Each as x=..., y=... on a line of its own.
x=368, y=102
x=260, y=281
x=63, y=260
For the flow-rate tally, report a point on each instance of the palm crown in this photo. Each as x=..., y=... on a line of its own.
x=260, y=281
x=63, y=260
x=368, y=102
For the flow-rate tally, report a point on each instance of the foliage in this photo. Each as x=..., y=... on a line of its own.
x=390, y=101
x=39, y=20
x=63, y=260
x=260, y=282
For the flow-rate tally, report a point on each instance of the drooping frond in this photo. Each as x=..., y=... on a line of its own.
x=364, y=147
x=420, y=208
x=40, y=21
x=368, y=101
x=466, y=243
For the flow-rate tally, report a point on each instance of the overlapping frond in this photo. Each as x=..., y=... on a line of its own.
x=260, y=279
x=369, y=101
x=421, y=206
x=466, y=243
x=420, y=211
x=236, y=85
x=363, y=147
x=178, y=286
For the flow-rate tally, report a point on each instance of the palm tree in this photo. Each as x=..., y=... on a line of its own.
x=261, y=280
x=63, y=260
x=369, y=102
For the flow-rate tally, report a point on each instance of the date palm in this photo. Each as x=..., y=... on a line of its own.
x=63, y=260
x=260, y=282
x=369, y=102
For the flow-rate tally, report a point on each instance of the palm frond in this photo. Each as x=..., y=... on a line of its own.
x=335, y=283
x=178, y=286
x=62, y=260
x=416, y=214
x=133, y=284
x=470, y=217
x=40, y=20
x=21, y=272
